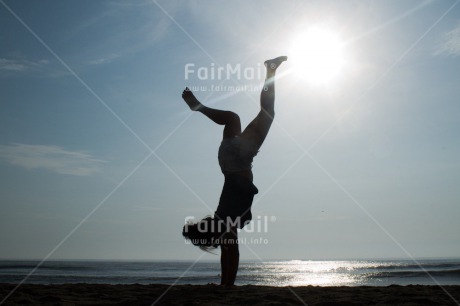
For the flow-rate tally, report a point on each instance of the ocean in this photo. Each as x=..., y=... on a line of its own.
x=272, y=273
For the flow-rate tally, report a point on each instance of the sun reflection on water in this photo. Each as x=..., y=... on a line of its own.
x=316, y=273
x=349, y=273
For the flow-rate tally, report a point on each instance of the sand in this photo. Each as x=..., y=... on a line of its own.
x=91, y=294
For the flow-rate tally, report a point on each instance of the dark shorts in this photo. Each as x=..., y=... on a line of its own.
x=236, y=200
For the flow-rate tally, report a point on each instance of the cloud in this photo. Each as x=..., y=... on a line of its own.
x=450, y=44
x=104, y=60
x=51, y=158
x=11, y=65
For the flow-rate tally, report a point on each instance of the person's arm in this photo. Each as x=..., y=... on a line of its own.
x=230, y=257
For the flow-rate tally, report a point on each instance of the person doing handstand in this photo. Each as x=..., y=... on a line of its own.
x=236, y=153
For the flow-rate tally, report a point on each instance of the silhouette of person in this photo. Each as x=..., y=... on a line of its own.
x=236, y=153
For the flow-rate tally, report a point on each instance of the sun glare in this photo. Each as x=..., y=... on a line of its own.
x=317, y=55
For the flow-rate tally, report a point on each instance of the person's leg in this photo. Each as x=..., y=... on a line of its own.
x=257, y=130
x=229, y=119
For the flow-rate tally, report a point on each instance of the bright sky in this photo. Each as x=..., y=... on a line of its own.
x=101, y=159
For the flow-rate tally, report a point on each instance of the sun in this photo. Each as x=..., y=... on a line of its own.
x=317, y=55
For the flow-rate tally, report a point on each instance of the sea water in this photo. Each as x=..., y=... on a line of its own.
x=273, y=273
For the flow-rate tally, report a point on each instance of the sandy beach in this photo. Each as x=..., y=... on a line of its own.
x=92, y=294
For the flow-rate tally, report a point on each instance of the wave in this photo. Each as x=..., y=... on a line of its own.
x=416, y=274
x=304, y=272
x=426, y=266
x=61, y=279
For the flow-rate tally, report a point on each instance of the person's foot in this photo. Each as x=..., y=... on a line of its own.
x=273, y=64
x=190, y=99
